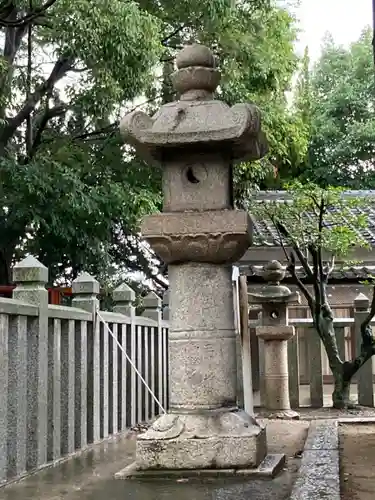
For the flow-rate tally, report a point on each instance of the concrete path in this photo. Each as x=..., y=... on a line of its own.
x=90, y=476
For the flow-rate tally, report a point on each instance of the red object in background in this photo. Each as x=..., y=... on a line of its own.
x=54, y=294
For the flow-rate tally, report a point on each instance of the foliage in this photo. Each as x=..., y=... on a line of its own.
x=337, y=99
x=72, y=194
x=316, y=228
x=258, y=66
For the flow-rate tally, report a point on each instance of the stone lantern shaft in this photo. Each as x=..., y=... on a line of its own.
x=199, y=235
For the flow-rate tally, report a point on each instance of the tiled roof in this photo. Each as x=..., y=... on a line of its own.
x=355, y=273
x=265, y=234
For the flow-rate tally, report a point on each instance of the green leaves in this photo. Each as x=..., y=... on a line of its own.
x=76, y=196
x=340, y=90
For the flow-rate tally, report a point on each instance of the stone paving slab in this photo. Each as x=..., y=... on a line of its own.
x=319, y=474
x=323, y=435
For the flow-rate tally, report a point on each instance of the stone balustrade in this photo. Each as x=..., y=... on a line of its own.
x=64, y=381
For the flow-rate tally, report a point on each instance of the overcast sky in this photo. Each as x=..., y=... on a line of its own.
x=344, y=19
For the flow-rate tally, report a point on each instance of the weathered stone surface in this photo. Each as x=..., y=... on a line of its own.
x=213, y=440
x=201, y=298
x=85, y=284
x=30, y=270
x=323, y=435
x=204, y=371
x=319, y=474
x=203, y=344
x=197, y=119
x=197, y=181
x=212, y=237
x=123, y=294
x=269, y=468
x=31, y=276
x=275, y=333
x=197, y=139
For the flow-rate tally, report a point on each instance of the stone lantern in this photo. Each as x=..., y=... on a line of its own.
x=275, y=331
x=199, y=235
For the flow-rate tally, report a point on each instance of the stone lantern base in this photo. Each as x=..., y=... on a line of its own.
x=218, y=442
x=218, y=439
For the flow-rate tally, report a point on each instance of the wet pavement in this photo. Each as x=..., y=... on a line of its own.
x=90, y=476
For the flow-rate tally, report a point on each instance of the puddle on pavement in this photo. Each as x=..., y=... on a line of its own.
x=90, y=476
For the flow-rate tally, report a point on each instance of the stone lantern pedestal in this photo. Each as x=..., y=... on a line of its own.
x=199, y=235
x=275, y=332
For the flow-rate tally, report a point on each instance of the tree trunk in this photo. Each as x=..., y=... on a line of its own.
x=5, y=270
x=341, y=391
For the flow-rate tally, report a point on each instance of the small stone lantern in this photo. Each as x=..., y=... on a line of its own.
x=199, y=235
x=275, y=331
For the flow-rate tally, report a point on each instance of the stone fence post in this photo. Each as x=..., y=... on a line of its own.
x=85, y=290
x=365, y=376
x=123, y=297
x=153, y=307
x=275, y=332
x=31, y=278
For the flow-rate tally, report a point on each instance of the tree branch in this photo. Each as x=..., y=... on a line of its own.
x=304, y=262
x=367, y=344
x=371, y=313
x=27, y=19
x=60, y=69
x=292, y=269
x=173, y=34
x=48, y=114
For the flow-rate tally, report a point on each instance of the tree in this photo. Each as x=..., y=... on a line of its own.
x=63, y=193
x=338, y=97
x=322, y=229
x=259, y=68
x=72, y=194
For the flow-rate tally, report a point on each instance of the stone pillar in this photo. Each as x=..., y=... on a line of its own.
x=365, y=376
x=153, y=305
x=123, y=297
x=199, y=235
x=31, y=277
x=85, y=290
x=276, y=332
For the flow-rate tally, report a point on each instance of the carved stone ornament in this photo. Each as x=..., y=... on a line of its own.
x=196, y=118
x=274, y=292
x=209, y=248
x=216, y=237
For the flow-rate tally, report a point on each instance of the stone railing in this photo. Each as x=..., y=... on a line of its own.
x=308, y=362
x=65, y=383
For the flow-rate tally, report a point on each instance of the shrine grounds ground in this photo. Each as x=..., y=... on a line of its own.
x=90, y=474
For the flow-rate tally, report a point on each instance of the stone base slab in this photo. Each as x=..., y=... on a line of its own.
x=218, y=439
x=268, y=469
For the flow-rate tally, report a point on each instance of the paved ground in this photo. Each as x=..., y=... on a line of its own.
x=90, y=476
x=357, y=450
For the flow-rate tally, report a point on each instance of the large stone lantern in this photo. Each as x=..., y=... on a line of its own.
x=199, y=235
